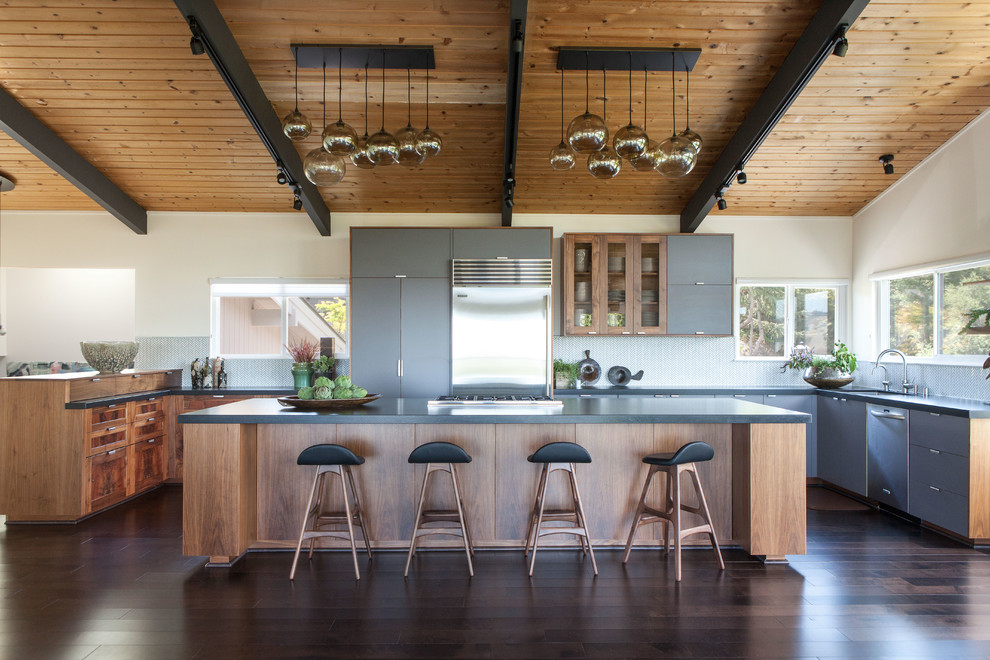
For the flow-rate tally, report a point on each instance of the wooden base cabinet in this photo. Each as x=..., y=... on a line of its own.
x=106, y=479
x=182, y=404
x=146, y=464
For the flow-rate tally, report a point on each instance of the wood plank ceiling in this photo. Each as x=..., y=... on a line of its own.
x=116, y=80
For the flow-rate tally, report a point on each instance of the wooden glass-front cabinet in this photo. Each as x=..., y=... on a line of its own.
x=614, y=284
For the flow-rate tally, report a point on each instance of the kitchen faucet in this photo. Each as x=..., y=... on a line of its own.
x=886, y=379
x=906, y=387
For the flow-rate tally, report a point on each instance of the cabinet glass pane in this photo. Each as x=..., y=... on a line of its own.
x=583, y=285
x=616, y=291
x=649, y=285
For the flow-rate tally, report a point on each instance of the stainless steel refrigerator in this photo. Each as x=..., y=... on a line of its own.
x=500, y=326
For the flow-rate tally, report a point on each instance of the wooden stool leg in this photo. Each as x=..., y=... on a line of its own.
x=582, y=541
x=584, y=520
x=669, y=509
x=359, y=512
x=318, y=510
x=460, y=516
x=676, y=475
x=350, y=522
x=419, y=516
x=708, y=516
x=536, y=506
x=317, y=480
x=639, y=513
x=541, y=499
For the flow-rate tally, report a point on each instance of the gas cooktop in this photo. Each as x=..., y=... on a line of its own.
x=495, y=399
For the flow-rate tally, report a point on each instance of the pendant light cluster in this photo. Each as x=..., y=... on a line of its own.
x=326, y=165
x=588, y=133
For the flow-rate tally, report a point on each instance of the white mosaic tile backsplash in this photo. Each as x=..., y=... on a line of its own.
x=172, y=352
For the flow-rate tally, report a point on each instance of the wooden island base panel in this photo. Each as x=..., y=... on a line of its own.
x=244, y=491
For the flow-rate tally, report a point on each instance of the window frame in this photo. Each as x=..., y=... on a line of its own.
x=881, y=292
x=272, y=287
x=841, y=287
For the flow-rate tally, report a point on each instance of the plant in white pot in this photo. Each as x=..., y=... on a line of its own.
x=565, y=374
x=825, y=371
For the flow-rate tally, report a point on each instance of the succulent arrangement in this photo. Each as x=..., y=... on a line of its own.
x=340, y=388
x=803, y=357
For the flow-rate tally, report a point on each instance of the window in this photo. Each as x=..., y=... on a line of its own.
x=257, y=318
x=924, y=313
x=775, y=316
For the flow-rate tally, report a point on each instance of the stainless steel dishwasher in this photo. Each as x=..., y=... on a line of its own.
x=887, y=468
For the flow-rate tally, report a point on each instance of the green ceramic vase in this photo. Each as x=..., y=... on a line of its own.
x=302, y=374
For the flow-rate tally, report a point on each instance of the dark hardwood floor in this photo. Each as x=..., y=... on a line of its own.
x=117, y=586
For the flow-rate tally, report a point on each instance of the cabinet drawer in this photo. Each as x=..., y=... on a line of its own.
x=110, y=437
x=130, y=383
x=943, y=432
x=933, y=467
x=201, y=401
x=153, y=407
x=112, y=415
x=106, y=479
x=146, y=463
x=91, y=388
x=149, y=427
x=940, y=507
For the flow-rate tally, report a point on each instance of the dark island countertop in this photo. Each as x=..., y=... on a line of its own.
x=573, y=411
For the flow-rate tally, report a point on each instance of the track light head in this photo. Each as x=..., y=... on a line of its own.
x=296, y=200
x=280, y=178
x=741, y=177
x=841, y=45
x=196, y=45
x=722, y=204
x=885, y=160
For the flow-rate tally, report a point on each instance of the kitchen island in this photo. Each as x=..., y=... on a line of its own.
x=243, y=489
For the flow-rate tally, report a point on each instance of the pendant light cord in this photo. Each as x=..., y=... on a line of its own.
x=295, y=53
x=324, y=93
x=340, y=83
x=645, y=97
x=687, y=97
x=383, y=89
x=427, y=98
x=604, y=100
x=630, y=88
x=365, y=99
x=408, y=97
x=586, y=84
x=561, y=105
x=673, y=99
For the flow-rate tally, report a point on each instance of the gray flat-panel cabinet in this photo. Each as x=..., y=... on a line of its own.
x=511, y=242
x=374, y=312
x=806, y=403
x=400, y=335
x=842, y=455
x=887, y=442
x=391, y=251
x=425, y=337
x=699, y=309
x=699, y=259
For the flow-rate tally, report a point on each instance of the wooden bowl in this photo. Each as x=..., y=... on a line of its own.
x=325, y=404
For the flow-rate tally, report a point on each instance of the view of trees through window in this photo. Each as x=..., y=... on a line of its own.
x=958, y=299
x=334, y=310
x=912, y=303
x=762, y=314
x=814, y=319
x=774, y=318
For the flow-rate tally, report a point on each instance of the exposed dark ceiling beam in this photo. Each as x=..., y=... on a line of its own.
x=810, y=51
x=208, y=25
x=32, y=134
x=513, y=90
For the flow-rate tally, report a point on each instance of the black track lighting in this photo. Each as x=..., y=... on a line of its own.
x=280, y=178
x=297, y=203
x=841, y=45
x=196, y=45
x=722, y=204
x=888, y=167
x=741, y=177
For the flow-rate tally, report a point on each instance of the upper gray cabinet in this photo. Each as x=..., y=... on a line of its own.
x=392, y=251
x=510, y=242
x=699, y=259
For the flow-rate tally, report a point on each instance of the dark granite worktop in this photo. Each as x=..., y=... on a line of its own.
x=646, y=410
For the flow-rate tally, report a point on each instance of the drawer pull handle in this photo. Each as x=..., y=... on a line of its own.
x=151, y=419
x=592, y=332
x=151, y=441
x=95, y=380
x=626, y=333
x=640, y=333
x=935, y=414
x=885, y=490
x=772, y=396
x=699, y=283
x=584, y=395
x=675, y=396
x=111, y=428
x=739, y=396
x=112, y=451
x=218, y=396
x=112, y=405
x=699, y=332
x=937, y=490
x=153, y=399
x=135, y=375
x=934, y=451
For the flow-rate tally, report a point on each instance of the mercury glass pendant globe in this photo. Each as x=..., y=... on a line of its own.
x=323, y=168
x=296, y=126
x=604, y=164
x=360, y=157
x=409, y=156
x=677, y=157
x=693, y=138
x=428, y=143
x=630, y=141
x=561, y=157
x=340, y=139
x=647, y=160
x=383, y=148
x=587, y=134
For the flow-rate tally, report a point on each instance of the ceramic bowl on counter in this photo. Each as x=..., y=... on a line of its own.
x=109, y=357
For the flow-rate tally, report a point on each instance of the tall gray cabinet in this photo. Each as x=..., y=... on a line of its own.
x=699, y=285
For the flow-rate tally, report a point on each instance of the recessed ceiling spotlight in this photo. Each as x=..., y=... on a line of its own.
x=888, y=167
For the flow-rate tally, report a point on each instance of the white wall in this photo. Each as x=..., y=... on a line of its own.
x=182, y=251
x=938, y=211
x=50, y=310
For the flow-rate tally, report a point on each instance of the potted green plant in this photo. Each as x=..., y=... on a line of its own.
x=973, y=317
x=825, y=371
x=303, y=353
x=565, y=374
x=323, y=366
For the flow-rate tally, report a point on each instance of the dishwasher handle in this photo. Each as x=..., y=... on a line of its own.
x=886, y=415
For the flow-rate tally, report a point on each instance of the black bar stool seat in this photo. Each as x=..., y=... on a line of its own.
x=562, y=456
x=331, y=459
x=673, y=464
x=440, y=457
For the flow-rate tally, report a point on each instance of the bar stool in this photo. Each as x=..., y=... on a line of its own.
x=673, y=464
x=331, y=459
x=559, y=456
x=440, y=457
